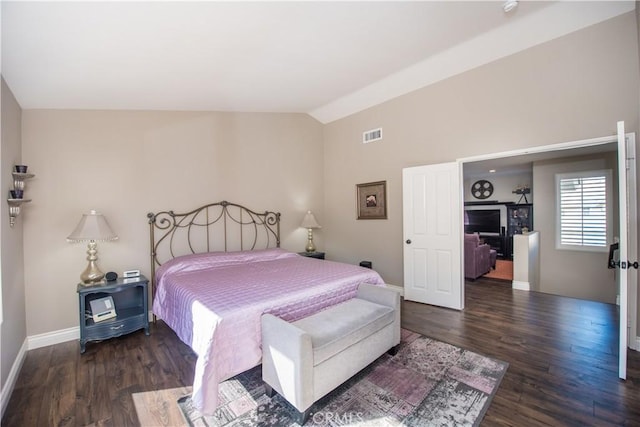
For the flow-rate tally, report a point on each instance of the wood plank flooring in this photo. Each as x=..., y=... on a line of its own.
x=562, y=354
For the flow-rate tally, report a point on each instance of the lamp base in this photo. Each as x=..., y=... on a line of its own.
x=89, y=285
x=92, y=274
x=310, y=246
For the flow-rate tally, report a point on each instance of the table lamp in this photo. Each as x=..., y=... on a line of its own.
x=309, y=222
x=92, y=227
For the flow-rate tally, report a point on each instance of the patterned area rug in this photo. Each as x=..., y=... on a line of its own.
x=427, y=382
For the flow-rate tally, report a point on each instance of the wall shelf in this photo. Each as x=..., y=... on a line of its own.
x=14, y=209
x=15, y=204
x=19, y=179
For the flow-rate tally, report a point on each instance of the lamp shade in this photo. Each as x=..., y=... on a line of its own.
x=92, y=227
x=309, y=221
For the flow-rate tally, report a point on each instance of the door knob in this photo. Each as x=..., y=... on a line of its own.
x=408, y=241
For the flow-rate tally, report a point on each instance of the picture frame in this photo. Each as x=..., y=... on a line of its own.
x=372, y=200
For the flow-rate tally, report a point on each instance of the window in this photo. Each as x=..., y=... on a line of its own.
x=583, y=210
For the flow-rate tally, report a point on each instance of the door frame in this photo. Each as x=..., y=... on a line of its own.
x=633, y=339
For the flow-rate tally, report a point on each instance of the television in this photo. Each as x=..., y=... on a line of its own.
x=482, y=221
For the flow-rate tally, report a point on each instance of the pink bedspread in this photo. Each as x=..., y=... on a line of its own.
x=214, y=303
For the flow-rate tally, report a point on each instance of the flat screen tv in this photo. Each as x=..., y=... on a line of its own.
x=483, y=221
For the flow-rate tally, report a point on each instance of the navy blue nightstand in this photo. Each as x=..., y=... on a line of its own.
x=130, y=299
x=318, y=255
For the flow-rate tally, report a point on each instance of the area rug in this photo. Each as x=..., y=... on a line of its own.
x=503, y=270
x=427, y=383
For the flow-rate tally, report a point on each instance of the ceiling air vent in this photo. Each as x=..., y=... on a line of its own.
x=372, y=136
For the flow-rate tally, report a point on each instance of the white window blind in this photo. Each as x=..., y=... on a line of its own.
x=583, y=210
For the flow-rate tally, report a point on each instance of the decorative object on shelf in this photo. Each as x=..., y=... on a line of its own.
x=522, y=190
x=309, y=222
x=482, y=189
x=372, y=200
x=92, y=227
x=16, y=195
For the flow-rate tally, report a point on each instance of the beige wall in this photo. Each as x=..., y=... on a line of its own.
x=576, y=274
x=126, y=164
x=572, y=88
x=11, y=246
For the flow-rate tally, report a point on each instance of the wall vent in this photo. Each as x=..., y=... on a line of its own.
x=372, y=135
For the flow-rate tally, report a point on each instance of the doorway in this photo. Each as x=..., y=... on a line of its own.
x=521, y=158
x=575, y=274
x=454, y=211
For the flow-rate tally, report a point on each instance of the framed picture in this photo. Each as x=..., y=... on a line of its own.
x=372, y=200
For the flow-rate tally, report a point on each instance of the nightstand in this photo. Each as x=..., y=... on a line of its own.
x=130, y=300
x=318, y=255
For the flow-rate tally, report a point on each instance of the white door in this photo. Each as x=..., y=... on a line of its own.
x=432, y=226
x=623, y=249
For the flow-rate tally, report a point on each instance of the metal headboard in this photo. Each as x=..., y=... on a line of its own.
x=221, y=226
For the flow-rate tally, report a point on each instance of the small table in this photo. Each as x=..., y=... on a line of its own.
x=318, y=255
x=130, y=300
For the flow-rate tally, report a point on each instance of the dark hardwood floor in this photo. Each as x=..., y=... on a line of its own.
x=562, y=356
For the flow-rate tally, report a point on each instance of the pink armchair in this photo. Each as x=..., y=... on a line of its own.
x=477, y=257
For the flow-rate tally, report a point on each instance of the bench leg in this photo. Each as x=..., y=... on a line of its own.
x=393, y=350
x=302, y=417
x=298, y=417
x=268, y=390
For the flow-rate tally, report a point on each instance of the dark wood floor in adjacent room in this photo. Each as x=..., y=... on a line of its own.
x=562, y=356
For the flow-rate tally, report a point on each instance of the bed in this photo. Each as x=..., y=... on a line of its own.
x=216, y=269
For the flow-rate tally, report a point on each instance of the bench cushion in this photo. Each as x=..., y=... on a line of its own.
x=336, y=328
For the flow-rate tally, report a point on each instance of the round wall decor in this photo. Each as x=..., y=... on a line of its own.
x=482, y=189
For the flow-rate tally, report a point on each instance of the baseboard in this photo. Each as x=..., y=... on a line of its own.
x=55, y=337
x=522, y=286
x=398, y=289
x=30, y=343
x=10, y=383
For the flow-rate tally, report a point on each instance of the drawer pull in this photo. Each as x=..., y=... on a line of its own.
x=115, y=328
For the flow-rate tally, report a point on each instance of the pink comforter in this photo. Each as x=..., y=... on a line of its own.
x=214, y=303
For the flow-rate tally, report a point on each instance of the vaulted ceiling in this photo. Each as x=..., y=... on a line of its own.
x=327, y=59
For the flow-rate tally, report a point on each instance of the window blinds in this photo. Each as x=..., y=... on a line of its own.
x=583, y=211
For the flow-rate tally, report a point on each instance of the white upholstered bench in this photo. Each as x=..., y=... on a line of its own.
x=306, y=359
